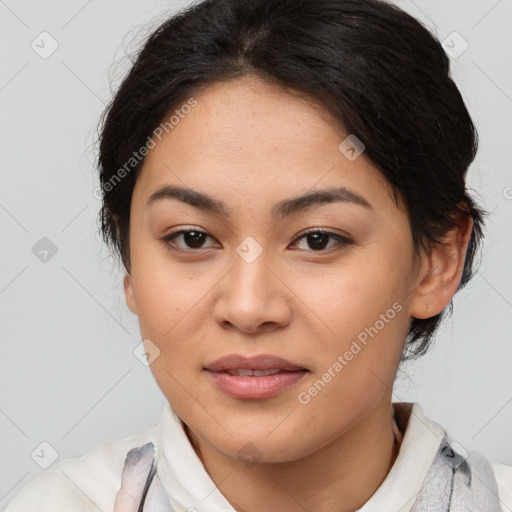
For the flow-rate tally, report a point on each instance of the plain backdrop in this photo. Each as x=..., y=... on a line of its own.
x=68, y=373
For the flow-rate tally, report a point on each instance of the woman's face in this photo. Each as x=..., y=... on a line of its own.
x=255, y=284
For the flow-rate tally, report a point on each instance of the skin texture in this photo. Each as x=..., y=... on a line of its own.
x=251, y=144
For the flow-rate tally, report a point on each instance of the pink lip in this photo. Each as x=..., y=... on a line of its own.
x=261, y=362
x=254, y=387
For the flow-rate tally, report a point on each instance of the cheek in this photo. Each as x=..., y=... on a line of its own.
x=170, y=318
x=357, y=367
x=364, y=306
x=172, y=308
x=355, y=295
x=168, y=294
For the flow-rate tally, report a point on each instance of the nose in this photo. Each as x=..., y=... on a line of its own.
x=253, y=297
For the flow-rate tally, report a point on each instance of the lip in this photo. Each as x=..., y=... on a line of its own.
x=261, y=362
x=254, y=387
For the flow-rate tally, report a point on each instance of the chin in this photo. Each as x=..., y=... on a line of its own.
x=256, y=446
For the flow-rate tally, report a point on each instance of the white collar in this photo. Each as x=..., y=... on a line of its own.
x=418, y=449
x=189, y=486
x=182, y=473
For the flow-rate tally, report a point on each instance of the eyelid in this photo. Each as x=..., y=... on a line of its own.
x=325, y=231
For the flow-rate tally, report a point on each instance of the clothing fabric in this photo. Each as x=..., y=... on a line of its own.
x=157, y=470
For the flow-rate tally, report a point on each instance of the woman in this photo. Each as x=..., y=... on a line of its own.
x=284, y=182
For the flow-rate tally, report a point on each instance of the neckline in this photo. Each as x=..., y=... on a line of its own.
x=187, y=482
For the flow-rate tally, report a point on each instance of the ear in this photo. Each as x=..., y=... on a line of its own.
x=128, y=293
x=441, y=271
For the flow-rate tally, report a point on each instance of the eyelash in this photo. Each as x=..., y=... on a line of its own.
x=342, y=240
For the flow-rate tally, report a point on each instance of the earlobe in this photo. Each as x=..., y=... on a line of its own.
x=441, y=271
x=128, y=294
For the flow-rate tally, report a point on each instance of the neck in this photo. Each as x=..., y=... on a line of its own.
x=340, y=477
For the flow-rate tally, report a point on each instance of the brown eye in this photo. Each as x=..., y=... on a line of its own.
x=191, y=238
x=317, y=239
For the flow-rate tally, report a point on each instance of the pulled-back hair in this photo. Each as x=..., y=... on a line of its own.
x=375, y=68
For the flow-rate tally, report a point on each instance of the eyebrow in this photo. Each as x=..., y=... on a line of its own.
x=281, y=209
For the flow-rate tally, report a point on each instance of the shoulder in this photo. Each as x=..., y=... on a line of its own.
x=424, y=437
x=82, y=484
x=503, y=476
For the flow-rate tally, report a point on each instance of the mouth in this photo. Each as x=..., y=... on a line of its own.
x=242, y=372
x=254, y=377
x=262, y=362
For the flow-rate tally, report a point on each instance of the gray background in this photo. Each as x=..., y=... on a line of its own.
x=68, y=373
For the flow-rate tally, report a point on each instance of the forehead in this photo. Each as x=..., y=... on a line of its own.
x=246, y=140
